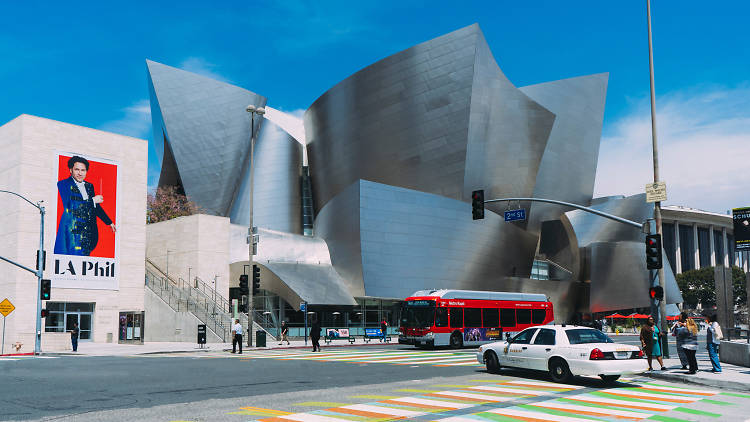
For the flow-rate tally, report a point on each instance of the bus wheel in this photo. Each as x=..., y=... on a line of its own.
x=493, y=366
x=456, y=341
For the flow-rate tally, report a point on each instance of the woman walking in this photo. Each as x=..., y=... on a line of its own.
x=680, y=351
x=713, y=340
x=651, y=344
x=687, y=336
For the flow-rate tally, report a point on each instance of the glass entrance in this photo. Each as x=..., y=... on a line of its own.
x=62, y=316
x=130, y=327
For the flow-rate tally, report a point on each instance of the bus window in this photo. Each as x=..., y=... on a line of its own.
x=457, y=317
x=523, y=316
x=507, y=317
x=473, y=317
x=441, y=317
x=538, y=316
x=491, y=318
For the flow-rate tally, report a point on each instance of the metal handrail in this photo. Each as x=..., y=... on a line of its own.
x=737, y=333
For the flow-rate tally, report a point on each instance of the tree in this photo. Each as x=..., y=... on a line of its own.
x=168, y=203
x=697, y=286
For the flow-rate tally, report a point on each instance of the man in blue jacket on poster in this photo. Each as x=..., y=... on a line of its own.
x=77, y=233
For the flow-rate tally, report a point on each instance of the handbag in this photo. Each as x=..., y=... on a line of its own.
x=717, y=331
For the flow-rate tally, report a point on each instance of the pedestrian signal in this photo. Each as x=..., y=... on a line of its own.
x=656, y=293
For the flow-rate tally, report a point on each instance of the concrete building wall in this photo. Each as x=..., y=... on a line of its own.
x=164, y=324
x=30, y=146
x=197, y=245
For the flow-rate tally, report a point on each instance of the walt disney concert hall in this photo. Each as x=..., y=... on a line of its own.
x=368, y=195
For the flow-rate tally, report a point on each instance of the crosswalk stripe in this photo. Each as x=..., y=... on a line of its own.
x=621, y=403
x=431, y=402
x=543, y=384
x=533, y=416
x=385, y=410
x=679, y=390
x=303, y=417
x=473, y=396
x=587, y=410
x=646, y=396
x=492, y=389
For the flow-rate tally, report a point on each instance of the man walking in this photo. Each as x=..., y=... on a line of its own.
x=237, y=330
x=74, y=336
x=284, y=333
x=315, y=334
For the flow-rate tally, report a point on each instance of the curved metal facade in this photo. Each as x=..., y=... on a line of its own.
x=394, y=152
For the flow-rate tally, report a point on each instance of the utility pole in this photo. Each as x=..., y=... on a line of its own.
x=260, y=111
x=657, y=205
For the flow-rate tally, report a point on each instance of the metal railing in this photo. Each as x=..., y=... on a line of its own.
x=739, y=334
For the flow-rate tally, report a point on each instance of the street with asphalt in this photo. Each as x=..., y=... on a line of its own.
x=360, y=382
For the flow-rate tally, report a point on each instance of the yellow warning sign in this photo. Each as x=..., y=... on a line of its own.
x=6, y=307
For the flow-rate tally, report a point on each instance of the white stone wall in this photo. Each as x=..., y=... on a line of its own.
x=29, y=147
x=198, y=245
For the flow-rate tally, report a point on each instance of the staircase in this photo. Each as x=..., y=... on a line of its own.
x=200, y=299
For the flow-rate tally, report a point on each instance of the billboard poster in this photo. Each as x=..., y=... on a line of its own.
x=741, y=217
x=337, y=332
x=86, y=251
x=482, y=334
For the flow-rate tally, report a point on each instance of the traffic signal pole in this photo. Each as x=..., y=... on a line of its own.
x=657, y=206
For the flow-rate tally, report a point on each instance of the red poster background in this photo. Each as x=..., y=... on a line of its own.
x=104, y=178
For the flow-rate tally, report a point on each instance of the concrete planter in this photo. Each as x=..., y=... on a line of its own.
x=735, y=353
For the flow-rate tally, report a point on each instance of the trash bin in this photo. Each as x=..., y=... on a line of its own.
x=260, y=338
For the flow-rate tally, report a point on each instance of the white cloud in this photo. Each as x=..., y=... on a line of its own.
x=703, y=140
x=135, y=121
x=203, y=67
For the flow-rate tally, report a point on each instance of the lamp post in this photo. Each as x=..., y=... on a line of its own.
x=39, y=271
x=260, y=111
x=657, y=205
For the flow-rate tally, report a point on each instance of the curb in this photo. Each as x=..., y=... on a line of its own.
x=310, y=345
x=715, y=383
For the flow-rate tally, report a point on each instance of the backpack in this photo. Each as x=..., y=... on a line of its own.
x=717, y=331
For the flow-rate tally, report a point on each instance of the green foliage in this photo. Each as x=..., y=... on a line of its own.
x=697, y=286
x=168, y=203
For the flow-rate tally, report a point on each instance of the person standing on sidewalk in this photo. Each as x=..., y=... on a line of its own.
x=713, y=340
x=687, y=336
x=284, y=333
x=383, y=327
x=678, y=340
x=237, y=330
x=315, y=334
x=651, y=343
x=74, y=336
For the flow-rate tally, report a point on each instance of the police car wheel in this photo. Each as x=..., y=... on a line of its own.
x=490, y=359
x=559, y=371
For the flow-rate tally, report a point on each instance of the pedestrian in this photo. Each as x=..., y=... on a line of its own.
x=237, y=339
x=74, y=336
x=315, y=334
x=713, y=340
x=687, y=337
x=651, y=343
x=680, y=352
x=284, y=333
x=383, y=327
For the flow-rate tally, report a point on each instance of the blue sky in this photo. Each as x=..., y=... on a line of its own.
x=84, y=63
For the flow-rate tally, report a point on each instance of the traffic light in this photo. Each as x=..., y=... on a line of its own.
x=656, y=293
x=477, y=204
x=256, y=279
x=46, y=289
x=243, y=285
x=45, y=313
x=653, y=251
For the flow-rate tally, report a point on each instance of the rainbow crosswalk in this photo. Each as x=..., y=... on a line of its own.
x=521, y=400
x=393, y=357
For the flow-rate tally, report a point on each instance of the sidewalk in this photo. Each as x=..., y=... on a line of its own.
x=731, y=377
x=112, y=349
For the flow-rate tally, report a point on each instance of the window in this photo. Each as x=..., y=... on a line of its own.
x=491, y=317
x=508, y=317
x=545, y=337
x=441, y=317
x=473, y=317
x=523, y=316
x=538, y=316
x=457, y=317
x=524, y=337
x=587, y=335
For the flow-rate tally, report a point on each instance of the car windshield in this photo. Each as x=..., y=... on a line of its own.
x=586, y=335
x=418, y=314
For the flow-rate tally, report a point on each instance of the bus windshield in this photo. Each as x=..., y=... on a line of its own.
x=418, y=314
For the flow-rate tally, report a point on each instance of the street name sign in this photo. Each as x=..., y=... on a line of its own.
x=515, y=215
x=302, y=306
x=6, y=307
x=656, y=192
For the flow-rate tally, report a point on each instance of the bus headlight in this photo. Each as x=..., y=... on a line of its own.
x=429, y=335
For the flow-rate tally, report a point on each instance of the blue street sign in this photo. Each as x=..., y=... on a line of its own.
x=515, y=215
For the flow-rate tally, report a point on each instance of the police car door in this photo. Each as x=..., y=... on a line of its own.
x=516, y=353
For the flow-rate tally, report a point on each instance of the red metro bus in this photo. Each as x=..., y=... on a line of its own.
x=465, y=317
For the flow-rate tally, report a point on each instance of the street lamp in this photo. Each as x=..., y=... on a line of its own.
x=39, y=271
x=260, y=111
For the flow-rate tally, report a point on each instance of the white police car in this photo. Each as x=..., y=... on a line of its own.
x=564, y=351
